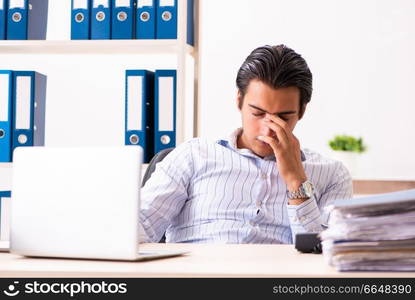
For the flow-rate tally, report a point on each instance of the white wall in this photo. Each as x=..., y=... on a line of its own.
x=361, y=54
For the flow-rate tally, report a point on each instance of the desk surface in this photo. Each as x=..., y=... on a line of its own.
x=204, y=260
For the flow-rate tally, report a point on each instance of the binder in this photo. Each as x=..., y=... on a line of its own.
x=80, y=19
x=139, y=111
x=101, y=20
x=123, y=19
x=146, y=19
x=190, y=22
x=165, y=109
x=166, y=26
x=6, y=113
x=4, y=194
x=29, y=101
x=3, y=19
x=5, y=217
x=27, y=19
x=17, y=23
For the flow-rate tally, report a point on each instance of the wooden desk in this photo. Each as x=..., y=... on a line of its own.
x=381, y=186
x=204, y=260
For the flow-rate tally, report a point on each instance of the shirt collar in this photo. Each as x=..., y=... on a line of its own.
x=231, y=143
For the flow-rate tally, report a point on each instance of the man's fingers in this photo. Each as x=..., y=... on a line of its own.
x=280, y=122
x=270, y=141
x=281, y=134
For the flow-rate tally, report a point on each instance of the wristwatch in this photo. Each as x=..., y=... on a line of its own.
x=305, y=191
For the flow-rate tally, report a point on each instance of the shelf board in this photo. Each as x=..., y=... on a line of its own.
x=93, y=47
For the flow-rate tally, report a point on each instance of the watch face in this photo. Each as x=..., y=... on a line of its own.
x=308, y=188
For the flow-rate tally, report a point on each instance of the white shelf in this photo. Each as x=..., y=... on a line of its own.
x=94, y=47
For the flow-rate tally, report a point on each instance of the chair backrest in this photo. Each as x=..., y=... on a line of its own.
x=152, y=164
x=150, y=169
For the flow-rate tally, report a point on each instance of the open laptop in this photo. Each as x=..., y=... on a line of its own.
x=78, y=203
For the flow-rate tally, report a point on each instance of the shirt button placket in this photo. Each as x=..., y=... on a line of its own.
x=266, y=177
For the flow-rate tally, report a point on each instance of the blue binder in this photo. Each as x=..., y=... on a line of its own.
x=101, y=20
x=29, y=102
x=6, y=114
x=17, y=16
x=24, y=23
x=5, y=215
x=4, y=205
x=80, y=19
x=146, y=19
x=165, y=109
x=123, y=19
x=190, y=22
x=3, y=19
x=166, y=27
x=5, y=194
x=139, y=111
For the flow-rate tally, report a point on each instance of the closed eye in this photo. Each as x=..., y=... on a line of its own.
x=261, y=114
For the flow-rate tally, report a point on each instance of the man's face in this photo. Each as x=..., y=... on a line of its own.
x=261, y=100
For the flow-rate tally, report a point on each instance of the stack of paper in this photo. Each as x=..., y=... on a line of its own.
x=375, y=233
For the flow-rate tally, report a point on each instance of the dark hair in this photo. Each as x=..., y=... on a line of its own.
x=277, y=66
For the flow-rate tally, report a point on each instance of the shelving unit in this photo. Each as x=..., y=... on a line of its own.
x=186, y=58
x=95, y=47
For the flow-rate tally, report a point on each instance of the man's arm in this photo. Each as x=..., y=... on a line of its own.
x=309, y=215
x=165, y=193
x=304, y=214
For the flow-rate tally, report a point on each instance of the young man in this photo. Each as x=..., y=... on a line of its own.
x=258, y=186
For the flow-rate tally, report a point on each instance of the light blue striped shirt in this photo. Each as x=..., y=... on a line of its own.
x=213, y=192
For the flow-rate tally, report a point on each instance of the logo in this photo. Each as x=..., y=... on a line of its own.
x=71, y=289
x=11, y=292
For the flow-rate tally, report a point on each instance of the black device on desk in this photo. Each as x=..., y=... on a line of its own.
x=308, y=243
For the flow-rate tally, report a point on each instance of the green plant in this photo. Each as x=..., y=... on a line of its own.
x=347, y=143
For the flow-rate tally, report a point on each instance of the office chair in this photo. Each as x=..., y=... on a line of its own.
x=152, y=164
x=150, y=169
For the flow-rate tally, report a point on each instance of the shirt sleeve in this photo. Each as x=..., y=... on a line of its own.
x=165, y=193
x=310, y=215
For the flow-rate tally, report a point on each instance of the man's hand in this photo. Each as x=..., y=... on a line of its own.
x=287, y=152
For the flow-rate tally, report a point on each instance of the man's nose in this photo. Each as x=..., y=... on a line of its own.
x=266, y=131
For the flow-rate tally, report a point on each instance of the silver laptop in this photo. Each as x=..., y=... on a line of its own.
x=78, y=203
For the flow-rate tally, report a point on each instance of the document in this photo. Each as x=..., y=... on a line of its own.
x=376, y=233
